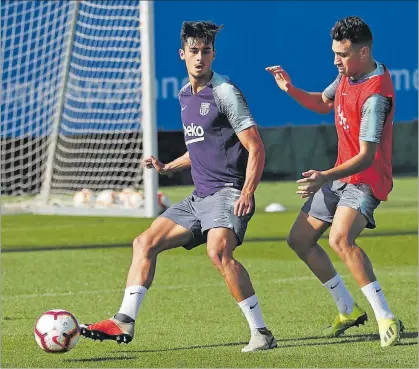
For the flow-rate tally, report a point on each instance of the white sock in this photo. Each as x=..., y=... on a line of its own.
x=343, y=299
x=378, y=302
x=133, y=298
x=251, y=310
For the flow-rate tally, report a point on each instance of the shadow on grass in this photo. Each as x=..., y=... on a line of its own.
x=93, y=359
x=356, y=337
x=127, y=245
x=345, y=339
x=284, y=343
x=188, y=347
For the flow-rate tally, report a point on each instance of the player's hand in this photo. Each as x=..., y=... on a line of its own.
x=152, y=162
x=282, y=78
x=244, y=205
x=311, y=183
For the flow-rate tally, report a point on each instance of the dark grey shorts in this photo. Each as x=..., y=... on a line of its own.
x=322, y=205
x=200, y=214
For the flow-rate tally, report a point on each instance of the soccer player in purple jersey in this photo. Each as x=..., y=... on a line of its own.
x=226, y=156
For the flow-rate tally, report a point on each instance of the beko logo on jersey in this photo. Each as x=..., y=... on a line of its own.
x=193, y=131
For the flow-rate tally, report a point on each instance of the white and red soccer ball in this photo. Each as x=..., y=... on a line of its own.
x=106, y=199
x=83, y=198
x=131, y=199
x=57, y=331
x=128, y=198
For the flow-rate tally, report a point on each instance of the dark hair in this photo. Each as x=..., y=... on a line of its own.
x=205, y=31
x=353, y=29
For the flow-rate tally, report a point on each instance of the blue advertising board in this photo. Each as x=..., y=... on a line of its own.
x=293, y=34
x=256, y=34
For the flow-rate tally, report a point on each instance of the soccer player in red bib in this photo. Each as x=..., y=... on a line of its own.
x=345, y=197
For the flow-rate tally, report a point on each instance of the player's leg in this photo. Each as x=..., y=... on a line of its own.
x=225, y=231
x=220, y=246
x=174, y=228
x=347, y=225
x=303, y=238
x=354, y=213
x=163, y=234
x=316, y=216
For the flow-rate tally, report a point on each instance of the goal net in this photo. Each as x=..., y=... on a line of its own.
x=78, y=107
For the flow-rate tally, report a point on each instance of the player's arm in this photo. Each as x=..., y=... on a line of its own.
x=251, y=140
x=316, y=101
x=181, y=163
x=253, y=143
x=234, y=105
x=358, y=163
x=373, y=117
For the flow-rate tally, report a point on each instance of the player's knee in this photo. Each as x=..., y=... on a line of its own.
x=296, y=244
x=216, y=257
x=219, y=257
x=144, y=245
x=292, y=241
x=220, y=251
x=340, y=244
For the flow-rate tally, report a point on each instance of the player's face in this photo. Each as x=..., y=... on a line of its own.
x=198, y=57
x=349, y=60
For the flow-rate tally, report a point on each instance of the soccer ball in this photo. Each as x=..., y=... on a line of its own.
x=57, y=331
x=131, y=199
x=82, y=198
x=162, y=201
x=106, y=199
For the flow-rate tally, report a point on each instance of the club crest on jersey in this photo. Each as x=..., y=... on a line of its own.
x=342, y=119
x=204, y=109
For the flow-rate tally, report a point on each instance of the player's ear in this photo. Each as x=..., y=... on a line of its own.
x=182, y=54
x=364, y=51
x=213, y=56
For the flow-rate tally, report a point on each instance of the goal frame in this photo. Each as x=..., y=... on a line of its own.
x=41, y=203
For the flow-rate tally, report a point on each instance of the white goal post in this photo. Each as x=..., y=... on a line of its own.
x=78, y=107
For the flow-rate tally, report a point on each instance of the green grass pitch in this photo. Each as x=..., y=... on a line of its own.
x=188, y=318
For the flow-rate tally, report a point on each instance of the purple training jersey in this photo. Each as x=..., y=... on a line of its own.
x=211, y=120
